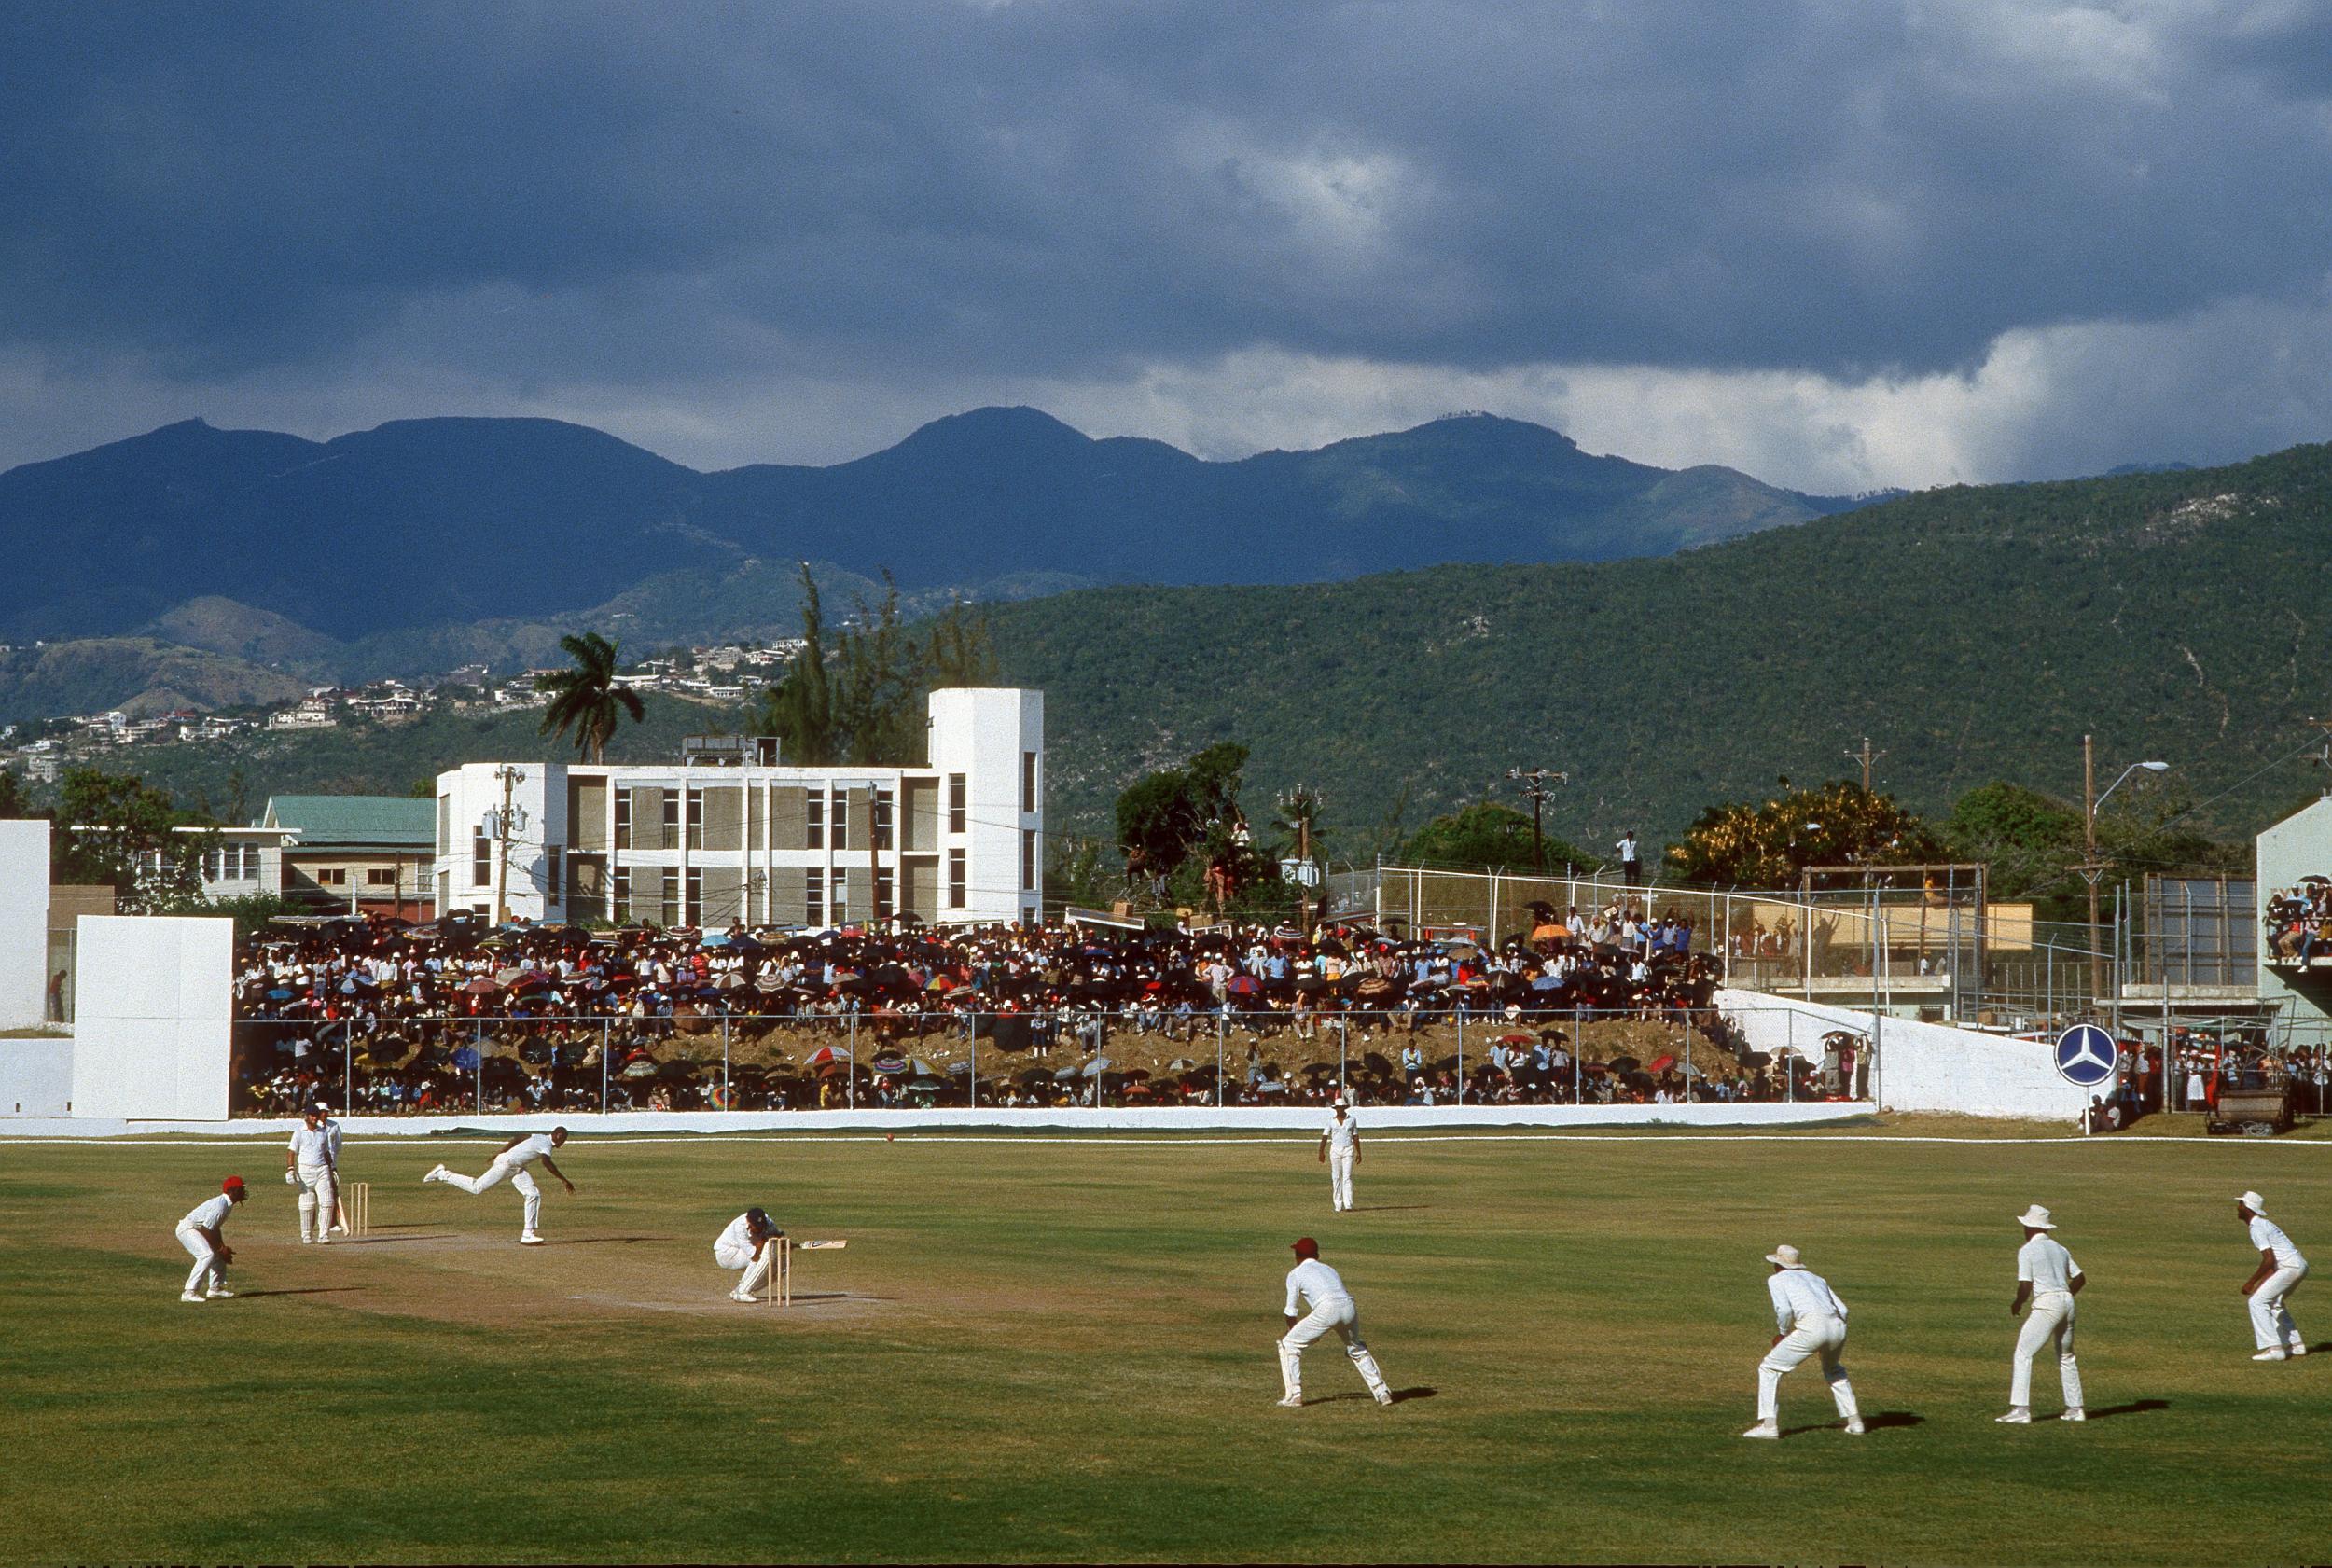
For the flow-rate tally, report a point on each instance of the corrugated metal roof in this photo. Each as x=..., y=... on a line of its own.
x=390, y=819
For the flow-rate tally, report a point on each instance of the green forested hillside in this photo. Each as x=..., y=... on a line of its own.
x=1973, y=632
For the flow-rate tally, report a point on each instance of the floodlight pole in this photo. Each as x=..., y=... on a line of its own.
x=1534, y=782
x=2091, y=867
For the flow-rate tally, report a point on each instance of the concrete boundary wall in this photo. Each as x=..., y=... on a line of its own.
x=1919, y=1067
x=35, y=1078
x=1170, y=1120
x=23, y=924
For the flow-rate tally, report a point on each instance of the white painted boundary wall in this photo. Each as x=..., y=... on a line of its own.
x=152, y=1016
x=1189, y=1118
x=23, y=924
x=35, y=1078
x=1921, y=1066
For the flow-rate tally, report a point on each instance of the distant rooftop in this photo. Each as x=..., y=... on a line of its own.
x=386, y=820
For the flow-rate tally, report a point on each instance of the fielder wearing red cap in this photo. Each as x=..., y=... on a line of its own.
x=198, y=1233
x=1332, y=1311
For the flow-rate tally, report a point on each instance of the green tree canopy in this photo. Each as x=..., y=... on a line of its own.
x=117, y=830
x=1165, y=817
x=1767, y=843
x=1489, y=833
x=585, y=702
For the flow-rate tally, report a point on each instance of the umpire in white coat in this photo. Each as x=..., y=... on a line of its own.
x=1808, y=1320
x=2280, y=1269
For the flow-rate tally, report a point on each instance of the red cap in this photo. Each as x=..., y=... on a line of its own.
x=233, y=1183
x=1306, y=1247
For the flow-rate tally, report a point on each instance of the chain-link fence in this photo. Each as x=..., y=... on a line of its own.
x=1270, y=1055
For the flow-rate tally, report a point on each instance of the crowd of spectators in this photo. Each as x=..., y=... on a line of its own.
x=2299, y=921
x=457, y=1017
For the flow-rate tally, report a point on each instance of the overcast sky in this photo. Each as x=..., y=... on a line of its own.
x=1836, y=244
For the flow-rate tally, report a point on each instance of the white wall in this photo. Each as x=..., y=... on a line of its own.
x=37, y=1078
x=983, y=732
x=151, y=1017
x=1919, y=1067
x=23, y=922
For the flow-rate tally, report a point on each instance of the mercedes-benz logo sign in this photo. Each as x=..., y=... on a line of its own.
x=2087, y=1055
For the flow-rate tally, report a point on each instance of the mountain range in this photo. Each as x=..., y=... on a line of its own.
x=424, y=522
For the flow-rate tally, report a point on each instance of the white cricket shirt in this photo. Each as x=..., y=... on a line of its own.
x=739, y=1235
x=2268, y=1236
x=332, y=1140
x=211, y=1215
x=1802, y=1295
x=310, y=1145
x=2047, y=1266
x=1316, y=1282
x=526, y=1151
x=1339, y=1135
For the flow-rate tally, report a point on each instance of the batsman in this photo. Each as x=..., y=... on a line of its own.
x=750, y=1244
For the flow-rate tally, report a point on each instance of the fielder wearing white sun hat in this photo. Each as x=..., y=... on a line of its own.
x=1784, y=1257
x=2037, y=1217
x=2253, y=1202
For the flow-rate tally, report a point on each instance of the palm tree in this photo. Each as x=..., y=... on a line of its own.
x=586, y=699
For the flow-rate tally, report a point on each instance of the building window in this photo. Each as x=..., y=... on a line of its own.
x=623, y=819
x=956, y=879
x=813, y=896
x=695, y=821
x=817, y=821
x=380, y=876
x=839, y=815
x=840, y=889
x=481, y=859
x=883, y=894
x=621, y=908
x=956, y=812
x=671, y=817
x=332, y=876
x=445, y=890
x=881, y=819
x=1028, y=781
x=1028, y=860
x=554, y=872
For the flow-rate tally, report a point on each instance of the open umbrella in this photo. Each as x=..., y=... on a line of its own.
x=1094, y=1068
x=827, y=1056
x=1662, y=1063
x=889, y=1061
x=481, y=987
x=1242, y=985
x=1180, y=1064
x=1625, y=1064
x=1034, y=1076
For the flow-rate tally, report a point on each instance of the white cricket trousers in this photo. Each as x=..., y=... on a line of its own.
x=206, y=1264
x=1824, y=1337
x=1343, y=1319
x=755, y=1269
x=319, y=1199
x=498, y=1172
x=1341, y=1179
x=2049, y=1321
x=2271, y=1322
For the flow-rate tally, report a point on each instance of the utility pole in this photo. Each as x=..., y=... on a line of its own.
x=1303, y=888
x=1866, y=756
x=507, y=824
x=1534, y=782
x=2091, y=869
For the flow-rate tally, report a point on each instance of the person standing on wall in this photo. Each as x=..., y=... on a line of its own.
x=1631, y=859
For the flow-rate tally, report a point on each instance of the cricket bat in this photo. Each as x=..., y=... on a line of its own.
x=821, y=1246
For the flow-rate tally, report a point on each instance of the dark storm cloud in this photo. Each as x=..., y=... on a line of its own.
x=931, y=200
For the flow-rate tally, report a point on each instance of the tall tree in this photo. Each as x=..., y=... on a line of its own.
x=1164, y=817
x=1767, y=843
x=117, y=830
x=864, y=702
x=1493, y=834
x=585, y=702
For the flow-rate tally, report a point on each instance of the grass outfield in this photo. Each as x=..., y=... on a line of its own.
x=1063, y=1350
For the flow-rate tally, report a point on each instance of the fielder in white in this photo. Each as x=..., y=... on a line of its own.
x=749, y=1243
x=511, y=1166
x=309, y=1166
x=1332, y=1311
x=1809, y=1319
x=2047, y=1276
x=2280, y=1271
x=198, y=1233
x=1339, y=1150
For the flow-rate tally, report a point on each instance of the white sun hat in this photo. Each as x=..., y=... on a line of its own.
x=2253, y=1202
x=2037, y=1217
x=1784, y=1255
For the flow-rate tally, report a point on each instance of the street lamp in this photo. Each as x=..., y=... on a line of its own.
x=2091, y=867
x=1534, y=782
